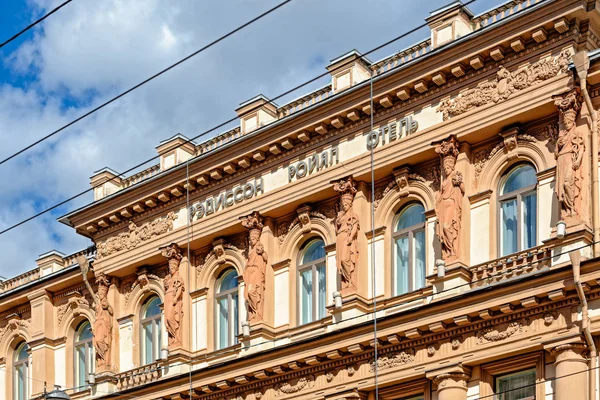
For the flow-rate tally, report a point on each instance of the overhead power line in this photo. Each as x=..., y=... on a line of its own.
x=28, y=27
x=101, y=106
x=215, y=127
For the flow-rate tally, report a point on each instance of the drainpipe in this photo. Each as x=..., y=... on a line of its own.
x=575, y=257
x=582, y=64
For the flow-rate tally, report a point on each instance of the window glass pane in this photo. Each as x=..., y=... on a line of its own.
x=529, y=220
x=401, y=265
x=509, y=227
x=21, y=381
x=223, y=322
x=152, y=307
x=22, y=352
x=85, y=332
x=81, y=370
x=321, y=298
x=228, y=281
x=520, y=177
x=147, y=328
x=306, y=294
x=234, y=316
x=520, y=385
x=90, y=351
x=410, y=216
x=419, y=262
x=314, y=250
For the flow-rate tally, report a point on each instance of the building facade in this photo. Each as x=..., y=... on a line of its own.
x=424, y=227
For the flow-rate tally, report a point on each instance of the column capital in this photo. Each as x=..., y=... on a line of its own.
x=451, y=380
x=576, y=352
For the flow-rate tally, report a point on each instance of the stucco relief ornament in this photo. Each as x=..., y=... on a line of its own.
x=136, y=235
x=504, y=85
x=569, y=151
x=256, y=268
x=448, y=206
x=174, y=288
x=102, y=328
x=346, y=228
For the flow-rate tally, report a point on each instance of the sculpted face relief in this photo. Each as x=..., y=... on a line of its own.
x=226, y=198
x=313, y=163
x=392, y=131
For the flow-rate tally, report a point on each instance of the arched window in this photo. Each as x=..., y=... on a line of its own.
x=518, y=209
x=227, y=309
x=151, y=330
x=311, y=278
x=409, y=249
x=21, y=373
x=84, y=354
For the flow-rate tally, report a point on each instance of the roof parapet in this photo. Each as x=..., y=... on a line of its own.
x=175, y=150
x=50, y=262
x=256, y=112
x=449, y=23
x=105, y=182
x=348, y=70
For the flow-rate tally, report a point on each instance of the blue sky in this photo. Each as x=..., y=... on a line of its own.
x=89, y=51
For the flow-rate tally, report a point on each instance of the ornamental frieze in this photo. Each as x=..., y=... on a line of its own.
x=136, y=235
x=294, y=385
x=502, y=332
x=504, y=85
x=393, y=360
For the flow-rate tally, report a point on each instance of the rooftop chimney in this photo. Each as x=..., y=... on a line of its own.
x=175, y=150
x=256, y=112
x=348, y=70
x=449, y=23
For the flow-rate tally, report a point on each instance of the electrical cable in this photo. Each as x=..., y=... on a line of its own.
x=373, y=274
x=190, y=141
x=28, y=27
x=453, y=289
x=101, y=106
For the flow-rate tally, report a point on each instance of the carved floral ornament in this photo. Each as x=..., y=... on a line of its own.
x=504, y=85
x=393, y=360
x=304, y=214
x=136, y=235
x=294, y=385
x=510, y=141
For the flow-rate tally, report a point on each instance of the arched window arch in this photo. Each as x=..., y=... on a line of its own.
x=151, y=330
x=312, y=281
x=409, y=249
x=226, y=303
x=21, y=372
x=518, y=209
x=84, y=354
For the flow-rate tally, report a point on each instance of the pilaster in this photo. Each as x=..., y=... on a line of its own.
x=570, y=367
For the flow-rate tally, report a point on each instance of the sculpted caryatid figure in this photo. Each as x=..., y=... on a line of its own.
x=256, y=268
x=569, y=151
x=103, y=325
x=346, y=229
x=449, y=200
x=174, y=288
x=103, y=322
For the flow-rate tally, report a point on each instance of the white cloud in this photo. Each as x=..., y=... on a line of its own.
x=104, y=47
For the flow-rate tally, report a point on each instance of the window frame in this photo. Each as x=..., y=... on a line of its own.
x=517, y=195
x=88, y=346
x=23, y=346
x=313, y=265
x=156, y=321
x=410, y=232
x=231, y=322
x=492, y=370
